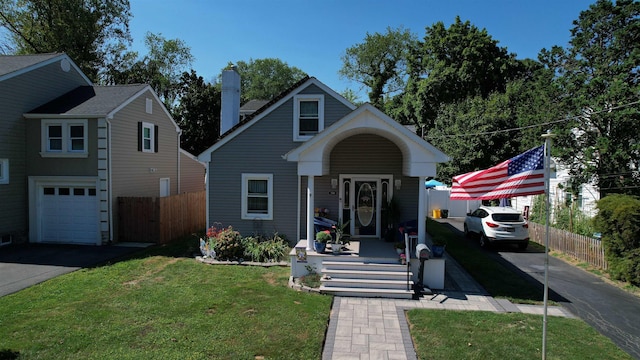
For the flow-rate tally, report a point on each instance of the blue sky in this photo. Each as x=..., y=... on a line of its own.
x=313, y=35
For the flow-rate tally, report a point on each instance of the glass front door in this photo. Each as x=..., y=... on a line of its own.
x=366, y=208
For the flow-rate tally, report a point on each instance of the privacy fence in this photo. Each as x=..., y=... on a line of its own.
x=161, y=220
x=581, y=247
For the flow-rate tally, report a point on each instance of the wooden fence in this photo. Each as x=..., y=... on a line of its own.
x=161, y=220
x=581, y=247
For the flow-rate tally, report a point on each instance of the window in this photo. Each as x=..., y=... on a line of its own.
x=4, y=171
x=64, y=138
x=257, y=196
x=147, y=137
x=308, y=116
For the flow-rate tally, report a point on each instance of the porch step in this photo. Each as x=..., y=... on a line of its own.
x=366, y=279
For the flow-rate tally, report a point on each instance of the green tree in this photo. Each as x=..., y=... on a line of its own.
x=262, y=79
x=198, y=113
x=599, y=74
x=87, y=30
x=379, y=63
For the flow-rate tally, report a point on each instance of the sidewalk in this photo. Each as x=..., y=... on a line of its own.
x=368, y=328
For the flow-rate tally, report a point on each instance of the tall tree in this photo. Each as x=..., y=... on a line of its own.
x=87, y=30
x=379, y=63
x=262, y=79
x=198, y=113
x=600, y=75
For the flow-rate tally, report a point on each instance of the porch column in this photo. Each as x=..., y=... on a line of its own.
x=422, y=230
x=310, y=212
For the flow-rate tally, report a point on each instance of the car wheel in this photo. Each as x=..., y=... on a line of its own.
x=466, y=231
x=523, y=246
x=484, y=242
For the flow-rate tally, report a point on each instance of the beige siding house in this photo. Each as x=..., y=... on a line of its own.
x=193, y=173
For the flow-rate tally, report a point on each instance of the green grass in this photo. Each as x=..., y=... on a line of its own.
x=163, y=306
x=495, y=277
x=460, y=335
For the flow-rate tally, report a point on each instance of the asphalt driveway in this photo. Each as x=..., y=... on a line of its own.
x=615, y=313
x=26, y=265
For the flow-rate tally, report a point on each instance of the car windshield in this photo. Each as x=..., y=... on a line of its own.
x=507, y=217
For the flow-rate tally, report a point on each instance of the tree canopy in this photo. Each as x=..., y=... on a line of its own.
x=262, y=79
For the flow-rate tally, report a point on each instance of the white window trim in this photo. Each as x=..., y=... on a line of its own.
x=4, y=171
x=245, y=192
x=296, y=114
x=168, y=181
x=146, y=125
x=66, y=138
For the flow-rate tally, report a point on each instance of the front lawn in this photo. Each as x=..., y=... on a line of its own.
x=461, y=335
x=165, y=307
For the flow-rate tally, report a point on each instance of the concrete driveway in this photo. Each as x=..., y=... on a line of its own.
x=613, y=312
x=24, y=265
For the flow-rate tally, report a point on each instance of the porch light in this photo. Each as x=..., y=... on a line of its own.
x=397, y=183
x=334, y=183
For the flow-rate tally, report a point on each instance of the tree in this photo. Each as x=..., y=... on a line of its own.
x=198, y=113
x=87, y=30
x=452, y=64
x=262, y=79
x=599, y=74
x=379, y=63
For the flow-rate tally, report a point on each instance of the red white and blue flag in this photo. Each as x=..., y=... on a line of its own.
x=519, y=176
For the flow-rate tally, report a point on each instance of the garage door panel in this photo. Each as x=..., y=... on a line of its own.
x=69, y=214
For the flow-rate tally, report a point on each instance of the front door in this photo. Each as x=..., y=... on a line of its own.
x=361, y=203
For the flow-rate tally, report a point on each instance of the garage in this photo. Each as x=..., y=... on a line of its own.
x=68, y=214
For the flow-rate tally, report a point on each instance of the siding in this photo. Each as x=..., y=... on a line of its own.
x=19, y=95
x=191, y=174
x=259, y=149
x=136, y=173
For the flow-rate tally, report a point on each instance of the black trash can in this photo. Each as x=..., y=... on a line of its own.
x=444, y=213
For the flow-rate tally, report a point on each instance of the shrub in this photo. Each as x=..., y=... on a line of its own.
x=265, y=250
x=323, y=237
x=228, y=244
x=618, y=220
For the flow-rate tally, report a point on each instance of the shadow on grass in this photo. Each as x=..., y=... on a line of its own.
x=499, y=277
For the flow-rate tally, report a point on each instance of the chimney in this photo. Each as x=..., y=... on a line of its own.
x=230, y=104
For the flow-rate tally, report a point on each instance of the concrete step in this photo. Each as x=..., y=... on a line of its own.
x=366, y=274
x=367, y=283
x=365, y=292
x=354, y=265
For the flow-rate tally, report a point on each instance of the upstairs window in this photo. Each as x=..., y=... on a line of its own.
x=308, y=116
x=147, y=137
x=257, y=196
x=64, y=138
x=4, y=171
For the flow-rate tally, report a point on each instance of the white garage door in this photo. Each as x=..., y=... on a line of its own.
x=69, y=214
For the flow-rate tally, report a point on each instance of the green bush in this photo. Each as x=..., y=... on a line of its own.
x=228, y=245
x=265, y=250
x=323, y=237
x=618, y=220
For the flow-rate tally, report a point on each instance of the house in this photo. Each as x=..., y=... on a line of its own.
x=307, y=149
x=74, y=148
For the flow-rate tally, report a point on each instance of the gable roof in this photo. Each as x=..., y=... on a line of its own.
x=283, y=97
x=14, y=65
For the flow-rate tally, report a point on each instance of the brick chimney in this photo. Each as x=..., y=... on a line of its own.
x=230, y=104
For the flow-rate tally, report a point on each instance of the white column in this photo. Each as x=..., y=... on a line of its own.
x=422, y=231
x=310, y=208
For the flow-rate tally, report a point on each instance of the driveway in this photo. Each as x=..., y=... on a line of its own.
x=615, y=313
x=24, y=265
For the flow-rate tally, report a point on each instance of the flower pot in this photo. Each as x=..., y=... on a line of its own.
x=336, y=248
x=319, y=247
x=437, y=250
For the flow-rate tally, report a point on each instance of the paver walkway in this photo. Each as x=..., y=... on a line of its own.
x=368, y=329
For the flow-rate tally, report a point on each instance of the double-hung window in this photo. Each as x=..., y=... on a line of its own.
x=64, y=138
x=308, y=116
x=257, y=196
x=147, y=137
x=4, y=171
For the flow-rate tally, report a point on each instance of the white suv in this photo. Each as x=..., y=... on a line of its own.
x=497, y=224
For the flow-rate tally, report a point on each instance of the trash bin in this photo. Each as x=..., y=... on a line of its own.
x=436, y=213
x=444, y=213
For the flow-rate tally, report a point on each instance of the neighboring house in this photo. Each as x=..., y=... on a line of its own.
x=79, y=148
x=310, y=148
x=192, y=173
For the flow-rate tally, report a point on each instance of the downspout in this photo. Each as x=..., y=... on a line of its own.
x=206, y=190
x=179, y=177
x=109, y=185
x=298, y=211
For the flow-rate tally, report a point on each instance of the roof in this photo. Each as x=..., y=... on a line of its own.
x=90, y=100
x=253, y=105
x=13, y=65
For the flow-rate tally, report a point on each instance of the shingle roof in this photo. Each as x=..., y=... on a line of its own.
x=252, y=105
x=11, y=63
x=90, y=100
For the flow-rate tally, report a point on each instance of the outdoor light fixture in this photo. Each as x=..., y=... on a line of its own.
x=397, y=183
x=334, y=183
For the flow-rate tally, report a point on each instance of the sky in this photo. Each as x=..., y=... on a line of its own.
x=313, y=35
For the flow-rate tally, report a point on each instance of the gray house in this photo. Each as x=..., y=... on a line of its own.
x=307, y=151
x=69, y=149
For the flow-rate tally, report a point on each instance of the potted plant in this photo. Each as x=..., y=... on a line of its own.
x=341, y=238
x=399, y=246
x=322, y=238
x=437, y=246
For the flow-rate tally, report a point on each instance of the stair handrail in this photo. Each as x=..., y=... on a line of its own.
x=407, y=254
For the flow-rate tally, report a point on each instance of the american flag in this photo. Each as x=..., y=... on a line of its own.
x=519, y=176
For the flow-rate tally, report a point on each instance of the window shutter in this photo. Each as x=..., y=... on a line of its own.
x=139, y=135
x=155, y=138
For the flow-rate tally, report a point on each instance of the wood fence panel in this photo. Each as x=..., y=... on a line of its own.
x=580, y=247
x=161, y=220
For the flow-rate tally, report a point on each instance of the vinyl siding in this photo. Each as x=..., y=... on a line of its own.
x=137, y=173
x=19, y=95
x=191, y=174
x=259, y=149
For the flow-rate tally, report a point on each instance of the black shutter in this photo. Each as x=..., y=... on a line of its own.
x=139, y=136
x=155, y=138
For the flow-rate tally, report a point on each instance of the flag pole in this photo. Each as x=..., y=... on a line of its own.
x=547, y=175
